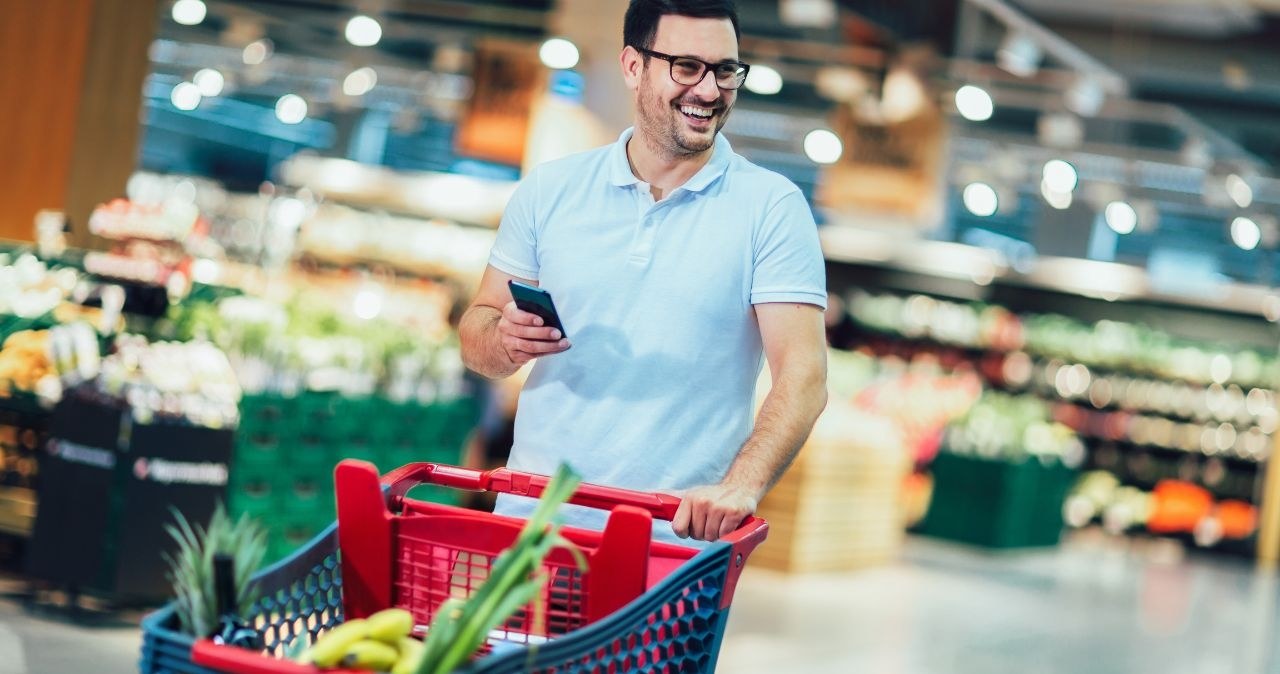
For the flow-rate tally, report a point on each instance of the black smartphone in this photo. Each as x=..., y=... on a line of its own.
x=538, y=302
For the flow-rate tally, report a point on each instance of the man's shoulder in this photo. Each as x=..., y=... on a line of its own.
x=754, y=178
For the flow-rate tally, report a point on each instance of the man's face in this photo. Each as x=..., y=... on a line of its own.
x=684, y=119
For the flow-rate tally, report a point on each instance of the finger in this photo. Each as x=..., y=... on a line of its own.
x=535, y=347
x=730, y=524
x=698, y=520
x=529, y=332
x=680, y=523
x=715, y=519
x=514, y=315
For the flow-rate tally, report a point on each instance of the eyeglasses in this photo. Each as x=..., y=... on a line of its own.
x=689, y=71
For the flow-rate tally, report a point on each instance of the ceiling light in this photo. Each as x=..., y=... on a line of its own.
x=1055, y=198
x=980, y=199
x=1085, y=97
x=1245, y=233
x=189, y=12
x=1239, y=191
x=1060, y=176
x=185, y=96
x=558, y=53
x=974, y=103
x=1121, y=217
x=1019, y=55
x=363, y=31
x=360, y=82
x=823, y=146
x=762, y=79
x=258, y=51
x=210, y=82
x=291, y=109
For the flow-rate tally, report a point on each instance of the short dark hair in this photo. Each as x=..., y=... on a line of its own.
x=640, y=27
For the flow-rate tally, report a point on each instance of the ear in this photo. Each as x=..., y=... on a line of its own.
x=632, y=63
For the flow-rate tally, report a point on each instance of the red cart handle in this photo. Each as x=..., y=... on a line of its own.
x=505, y=481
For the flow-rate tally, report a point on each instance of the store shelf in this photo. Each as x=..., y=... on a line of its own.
x=978, y=269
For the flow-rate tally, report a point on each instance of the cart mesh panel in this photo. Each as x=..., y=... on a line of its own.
x=427, y=573
x=674, y=627
x=300, y=594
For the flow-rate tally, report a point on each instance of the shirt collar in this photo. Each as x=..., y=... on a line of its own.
x=620, y=169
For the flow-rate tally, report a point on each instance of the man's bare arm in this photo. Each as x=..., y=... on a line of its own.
x=795, y=346
x=497, y=338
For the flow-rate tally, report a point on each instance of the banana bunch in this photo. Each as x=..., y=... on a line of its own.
x=379, y=643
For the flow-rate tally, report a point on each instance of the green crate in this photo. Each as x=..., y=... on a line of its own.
x=309, y=460
x=309, y=499
x=256, y=498
x=997, y=503
x=257, y=450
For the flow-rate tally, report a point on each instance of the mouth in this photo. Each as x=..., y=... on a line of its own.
x=697, y=115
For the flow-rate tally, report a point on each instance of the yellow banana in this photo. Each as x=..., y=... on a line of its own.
x=410, y=653
x=332, y=645
x=390, y=625
x=370, y=654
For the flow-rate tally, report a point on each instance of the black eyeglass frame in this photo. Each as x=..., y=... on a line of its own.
x=707, y=66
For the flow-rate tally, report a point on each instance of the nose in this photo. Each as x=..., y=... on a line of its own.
x=706, y=88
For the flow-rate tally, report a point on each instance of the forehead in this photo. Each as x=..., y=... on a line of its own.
x=708, y=39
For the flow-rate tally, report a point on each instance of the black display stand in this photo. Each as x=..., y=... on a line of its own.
x=108, y=487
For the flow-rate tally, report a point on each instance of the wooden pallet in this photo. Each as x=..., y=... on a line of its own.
x=839, y=506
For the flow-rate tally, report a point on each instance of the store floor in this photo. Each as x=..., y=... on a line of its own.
x=1090, y=606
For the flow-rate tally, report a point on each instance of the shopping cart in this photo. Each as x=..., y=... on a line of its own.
x=641, y=606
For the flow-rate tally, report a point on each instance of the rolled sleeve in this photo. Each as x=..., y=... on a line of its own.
x=515, y=251
x=788, y=265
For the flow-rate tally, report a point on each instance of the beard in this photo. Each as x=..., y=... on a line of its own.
x=664, y=125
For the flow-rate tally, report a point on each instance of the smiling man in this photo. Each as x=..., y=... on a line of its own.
x=677, y=267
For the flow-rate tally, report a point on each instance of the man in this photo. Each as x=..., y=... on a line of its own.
x=674, y=264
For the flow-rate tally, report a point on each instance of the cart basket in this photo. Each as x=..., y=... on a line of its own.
x=641, y=605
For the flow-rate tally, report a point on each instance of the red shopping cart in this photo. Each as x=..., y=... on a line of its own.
x=641, y=605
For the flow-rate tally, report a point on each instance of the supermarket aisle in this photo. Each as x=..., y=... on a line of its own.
x=953, y=610
x=43, y=642
x=942, y=610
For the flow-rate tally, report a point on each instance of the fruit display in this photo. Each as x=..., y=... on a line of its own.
x=30, y=288
x=1171, y=507
x=343, y=235
x=24, y=361
x=306, y=344
x=190, y=382
x=1135, y=403
x=1131, y=348
x=170, y=220
x=1007, y=426
x=921, y=398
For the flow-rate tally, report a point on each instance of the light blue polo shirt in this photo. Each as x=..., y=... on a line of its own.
x=657, y=390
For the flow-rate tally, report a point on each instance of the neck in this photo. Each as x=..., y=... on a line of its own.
x=659, y=166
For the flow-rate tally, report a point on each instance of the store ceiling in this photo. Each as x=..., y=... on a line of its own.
x=1214, y=58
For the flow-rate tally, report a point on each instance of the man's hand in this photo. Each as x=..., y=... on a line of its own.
x=711, y=512
x=524, y=338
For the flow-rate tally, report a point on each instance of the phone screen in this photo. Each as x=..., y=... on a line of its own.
x=537, y=302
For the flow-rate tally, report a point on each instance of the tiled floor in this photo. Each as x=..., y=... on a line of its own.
x=1088, y=607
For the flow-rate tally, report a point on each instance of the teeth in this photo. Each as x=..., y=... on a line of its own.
x=696, y=112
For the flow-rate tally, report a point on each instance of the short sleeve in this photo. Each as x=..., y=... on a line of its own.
x=515, y=251
x=788, y=263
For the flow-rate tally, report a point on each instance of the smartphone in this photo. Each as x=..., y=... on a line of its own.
x=538, y=302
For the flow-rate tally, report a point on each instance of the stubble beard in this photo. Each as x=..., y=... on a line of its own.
x=664, y=128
